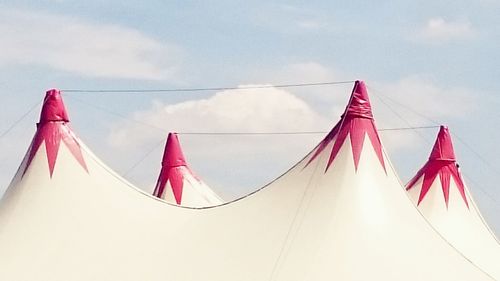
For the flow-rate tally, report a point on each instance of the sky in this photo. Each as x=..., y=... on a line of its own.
x=425, y=63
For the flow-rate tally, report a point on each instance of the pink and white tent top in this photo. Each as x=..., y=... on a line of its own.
x=444, y=199
x=339, y=214
x=177, y=184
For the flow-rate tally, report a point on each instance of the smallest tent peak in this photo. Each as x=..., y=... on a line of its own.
x=53, y=109
x=177, y=184
x=173, y=156
x=443, y=147
x=359, y=105
x=441, y=162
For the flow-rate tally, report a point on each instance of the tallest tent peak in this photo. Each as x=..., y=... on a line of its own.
x=53, y=107
x=356, y=122
x=359, y=105
x=443, y=148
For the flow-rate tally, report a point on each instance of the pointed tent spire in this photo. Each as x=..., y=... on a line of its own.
x=357, y=121
x=174, y=171
x=443, y=147
x=173, y=155
x=441, y=162
x=51, y=130
x=53, y=108
x=359, y=104
x=172, y=158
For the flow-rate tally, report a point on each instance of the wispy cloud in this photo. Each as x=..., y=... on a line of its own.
x=265, y=110
x=249, y=110
x=417, y=101
x=426, y=97
x=310, y=24
x=326, y=100
x=290, y=19
x=82, y=47
x=438, y=30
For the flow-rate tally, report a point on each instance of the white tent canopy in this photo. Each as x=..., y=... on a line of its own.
x=177, y=183
x=445, y=201
x=339, y=214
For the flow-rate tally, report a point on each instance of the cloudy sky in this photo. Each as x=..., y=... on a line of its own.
x=425, y=63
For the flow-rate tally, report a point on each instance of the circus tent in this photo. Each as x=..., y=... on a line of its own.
x=443, y=198
x=177, y=183
x=339, y=214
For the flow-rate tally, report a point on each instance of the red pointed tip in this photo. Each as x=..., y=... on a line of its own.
x=443, y=147
x=172, y=171
x=53, y=107
x=441, y=162
x=357, y=121
x=359, y=105
x=52, y=130
x=173, y=156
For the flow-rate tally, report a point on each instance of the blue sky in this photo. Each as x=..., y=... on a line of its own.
x=439, y=58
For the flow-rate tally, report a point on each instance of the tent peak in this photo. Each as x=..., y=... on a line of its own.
x=53, y=130
x=357, y=121
x=172, y=170
x=443, y=147
x=177, y=183
x=173, y=155
x=53, y=109
x=359, y=105
x=441, y=162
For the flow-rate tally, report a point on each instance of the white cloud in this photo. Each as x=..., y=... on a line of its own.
x=82, y=47
x=218, y=158
x=267, y=110
x=290, y=19
x=310, y=24
x=439, y=30
x=327, y=100
x=417, y=101
x=426, y=97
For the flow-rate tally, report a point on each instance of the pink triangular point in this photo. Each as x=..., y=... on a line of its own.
x=53, y=108
x=357, y=121
x=51, y=130
x=173, y=168
x=442, y=162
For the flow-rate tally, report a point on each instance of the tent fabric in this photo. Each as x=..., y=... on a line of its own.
x=177, y=183
x=311, y=224
x=444, y=199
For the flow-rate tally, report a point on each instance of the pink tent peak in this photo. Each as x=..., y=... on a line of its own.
x=173, y=155
x=357, y=121
x=51, y=129
x=53, y=107
x=442, y=161
x=443, y=147
x=173, y=168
